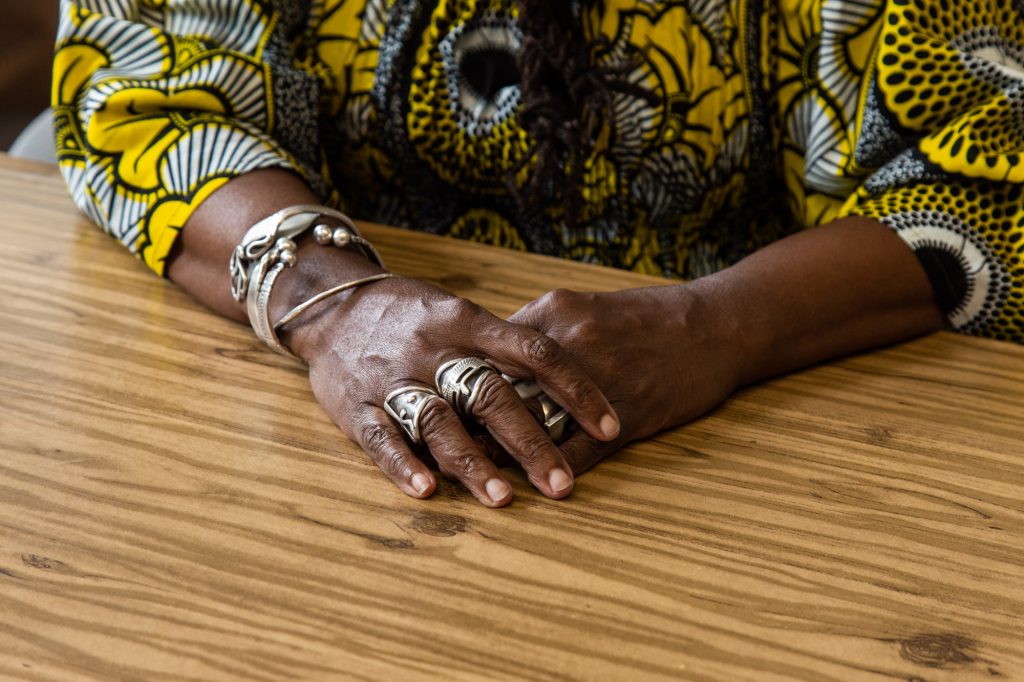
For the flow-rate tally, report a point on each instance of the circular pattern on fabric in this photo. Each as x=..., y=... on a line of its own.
x=482, y=75
x=974, y=282
x=464, y=94
x=979, y=226
x=990, y=56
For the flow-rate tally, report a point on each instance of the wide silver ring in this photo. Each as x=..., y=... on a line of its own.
x=406, y=405
x=459, y=382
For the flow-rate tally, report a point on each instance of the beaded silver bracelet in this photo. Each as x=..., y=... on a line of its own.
x=269, y=247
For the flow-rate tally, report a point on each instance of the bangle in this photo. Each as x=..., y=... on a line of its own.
x=289, y=223
x=344, y=237
x=306, y=305
x=258, y=304
x=269, y=247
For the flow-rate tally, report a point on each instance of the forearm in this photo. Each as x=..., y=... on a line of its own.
x=368, y=346
x=826, y=292
x=200, y=265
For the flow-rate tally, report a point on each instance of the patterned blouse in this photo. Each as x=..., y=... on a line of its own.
x=769, y=116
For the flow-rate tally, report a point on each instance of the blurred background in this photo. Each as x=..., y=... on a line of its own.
x=26, y=49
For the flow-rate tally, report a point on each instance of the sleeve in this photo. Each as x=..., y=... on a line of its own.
x=941, y=118
x=157, y=103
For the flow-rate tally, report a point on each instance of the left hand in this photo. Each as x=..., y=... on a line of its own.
x=661, y=355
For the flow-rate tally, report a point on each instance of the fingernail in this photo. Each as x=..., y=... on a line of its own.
x=609, y=426
x=420, y=482
x=497, y=489
x=559, y=480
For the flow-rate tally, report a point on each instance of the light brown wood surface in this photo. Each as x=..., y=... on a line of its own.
x=175, y=506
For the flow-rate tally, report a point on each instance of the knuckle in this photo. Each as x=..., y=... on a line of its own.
x=377, y=440
x=535, y=450
x=560, y=298
x=393, y=462
x=374, y=438
x=461, y=308
x=463, y=464
x=585, y=329
x=541, y=350
x=493, y=397
x=471, y=319
x=436, y=417
x=532, y=309
x=562, y=303
x=583, y=391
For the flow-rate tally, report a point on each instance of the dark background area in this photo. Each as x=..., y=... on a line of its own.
x=27, y=32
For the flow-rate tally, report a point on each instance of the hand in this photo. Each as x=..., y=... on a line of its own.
x=396, y=332
x=661, y=355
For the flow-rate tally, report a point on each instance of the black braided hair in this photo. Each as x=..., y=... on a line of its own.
x=565, y=101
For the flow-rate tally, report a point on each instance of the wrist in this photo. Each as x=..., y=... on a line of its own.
x=822, y=293
x=317, y=269
x=701, y=318
x=722, y=309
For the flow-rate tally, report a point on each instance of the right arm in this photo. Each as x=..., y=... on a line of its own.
x=151, y=152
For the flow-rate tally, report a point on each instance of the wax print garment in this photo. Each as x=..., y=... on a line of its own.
x=767, y=116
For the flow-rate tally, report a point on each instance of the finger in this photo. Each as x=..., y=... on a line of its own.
x=527, y=354
x=492, y=449
x=500, y=410
x=458, y=455
x=582, y=452
x=382, y=439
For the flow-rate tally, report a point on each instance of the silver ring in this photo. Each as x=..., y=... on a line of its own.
x=556, y=419
x=406, y=405
x=459, y=382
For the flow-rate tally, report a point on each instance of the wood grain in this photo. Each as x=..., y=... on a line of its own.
x=174, y=505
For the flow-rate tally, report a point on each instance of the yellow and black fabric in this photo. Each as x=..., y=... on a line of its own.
x=769, y=116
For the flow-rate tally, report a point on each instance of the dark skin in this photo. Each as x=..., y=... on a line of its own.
x=383, y=336
x=626, y=364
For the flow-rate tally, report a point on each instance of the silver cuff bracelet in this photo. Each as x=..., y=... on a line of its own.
x=269, y=247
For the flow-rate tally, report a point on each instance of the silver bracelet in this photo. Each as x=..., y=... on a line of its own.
x=344, y=237
x=269, y=247
x=323, y=295
x=258, y=305
x=289, y=223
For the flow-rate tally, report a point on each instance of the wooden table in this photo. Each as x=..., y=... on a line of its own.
x=164, y=516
